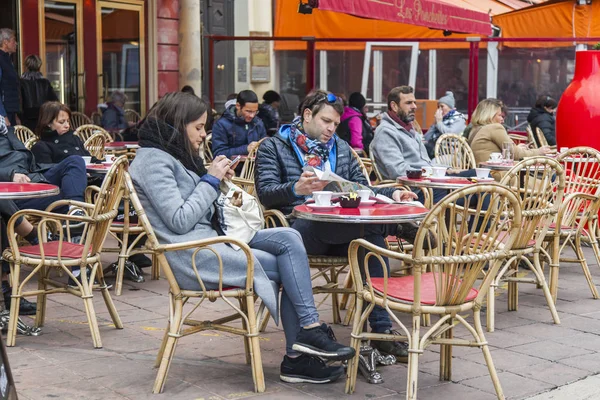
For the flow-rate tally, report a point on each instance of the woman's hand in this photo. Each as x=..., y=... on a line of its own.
x=545, y=150
x=439, y=115
x=219, y=167
x=404, y=195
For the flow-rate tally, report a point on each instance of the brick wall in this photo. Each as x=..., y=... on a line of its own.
x=167, y=26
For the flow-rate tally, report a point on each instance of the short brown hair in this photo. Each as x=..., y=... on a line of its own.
x=394, y=94
x=317, y=99
x=33, y=63
x=49, y=112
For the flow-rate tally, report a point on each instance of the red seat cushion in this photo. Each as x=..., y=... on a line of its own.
x=69, y=250
x=402, y=288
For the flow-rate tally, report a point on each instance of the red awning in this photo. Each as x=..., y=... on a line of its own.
x=430, y=13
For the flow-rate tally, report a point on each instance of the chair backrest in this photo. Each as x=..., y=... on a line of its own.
x=361, y=164
x=374, y=164
x=78, y=119
x=23, y=133
x=96, y=118
x=207, y=150
x=463, y=249
x=541, y=139
x=582, y=170
x=454, y=151
x=30, y=142
x=107, y=203
x=132, y=116
x=95, y=145
x=86, y=131
x=540, y=184
x=530, y=137
x=247, y=171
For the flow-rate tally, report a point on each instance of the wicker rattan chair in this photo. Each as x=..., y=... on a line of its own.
x=29, y=143
x=95, y=145
x=442, y=281
x=178, y=298
x=207, y=153
x=79, y=119
x=540, y=182
x=84, y=132
x=62, y=254
x=530, y=137
x=541, y=139
x=96, y=118
x=454, y=151
x=23, y=133
x=132, y=116
x=246, y=178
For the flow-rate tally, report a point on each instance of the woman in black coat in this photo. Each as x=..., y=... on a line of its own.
x=542, y=116
x=56, y=139
x=35, y=91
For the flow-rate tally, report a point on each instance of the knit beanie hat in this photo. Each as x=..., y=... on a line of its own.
x=357, y=100
x=447, y=99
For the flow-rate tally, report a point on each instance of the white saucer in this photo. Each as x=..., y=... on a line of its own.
x=443, y=177
x=367, y=203
x=488, y=179
x=318, y=207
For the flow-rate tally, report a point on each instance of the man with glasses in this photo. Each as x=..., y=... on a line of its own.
x=281, y=184
x=10, y=101
x=238, y=131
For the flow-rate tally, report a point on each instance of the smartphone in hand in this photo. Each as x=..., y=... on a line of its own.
x=235, y=161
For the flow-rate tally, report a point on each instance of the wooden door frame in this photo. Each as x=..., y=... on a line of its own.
x=132, y=5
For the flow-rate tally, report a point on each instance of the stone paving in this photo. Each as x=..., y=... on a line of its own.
x=533, y=356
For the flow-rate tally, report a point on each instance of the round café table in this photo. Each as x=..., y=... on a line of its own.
x=376, y=214
x=121, y=146
x=99, y=168
x=498, y=166
x=18, y=191
x=446, y=182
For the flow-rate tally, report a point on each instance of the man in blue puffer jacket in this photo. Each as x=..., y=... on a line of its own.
x=238, y=131
x=281, y=184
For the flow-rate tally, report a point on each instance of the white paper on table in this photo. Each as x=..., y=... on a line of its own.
x=327, y=176
x=387, y=200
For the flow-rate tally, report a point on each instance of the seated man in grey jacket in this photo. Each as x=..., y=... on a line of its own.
x=281, y=184
x=397, y=146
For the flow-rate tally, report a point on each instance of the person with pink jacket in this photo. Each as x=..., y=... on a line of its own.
x=354, y=127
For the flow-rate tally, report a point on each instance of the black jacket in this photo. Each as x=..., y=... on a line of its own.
x=53, y=148
x=278, y=169
x=34, y=93
x=113, y=118
x=540, y=118
x=16, y=158
x=269, y=116
x=231, y=134
x=9, y=85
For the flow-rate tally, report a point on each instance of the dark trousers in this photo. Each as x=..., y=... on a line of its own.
x=12, y=117
x=7, y=209
x=70, y=176
x=324, y=238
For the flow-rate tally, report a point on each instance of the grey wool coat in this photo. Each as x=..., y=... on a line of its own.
x=180, y=206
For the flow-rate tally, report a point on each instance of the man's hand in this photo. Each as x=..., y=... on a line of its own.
x=252, y=146
x=6, y=122
x=308, y=183
x=404, y=195
x=21, y=178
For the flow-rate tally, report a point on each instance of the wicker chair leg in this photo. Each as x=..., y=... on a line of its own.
x=40, y=314
x=169, y=344
x=155, y=268
x=335, y=307
x=487, y=355
x=87, y=298
x=584, y=266
x=413, y=359
x=244, y=308
x=348, y=284
x=349, y=313
x=491, y=308
x=254, y=344
x=123, y=256
x=446, y=356
x=112, y=310
x=513, y=288
x=537, y=270
x=163, y=344
x=263, y=317
x=554, y=267
x=357, y=329
x=14, y=306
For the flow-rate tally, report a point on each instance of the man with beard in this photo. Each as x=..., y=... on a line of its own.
x=397, y=146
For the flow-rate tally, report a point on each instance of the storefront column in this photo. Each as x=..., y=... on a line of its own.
x=190, y=47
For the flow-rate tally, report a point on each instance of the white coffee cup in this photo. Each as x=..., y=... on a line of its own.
x=482, y=173
x=438, y=172
x=87, y=159
x=427, y=170
x=364, y=194
x=110, y=158
x=495, y=156
x=564, y=149
x=322, y=198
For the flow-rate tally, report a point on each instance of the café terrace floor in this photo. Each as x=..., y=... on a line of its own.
x=534, y=357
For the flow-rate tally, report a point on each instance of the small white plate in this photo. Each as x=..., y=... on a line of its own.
x=367, y=203
x=489, y=179
x=318, y=207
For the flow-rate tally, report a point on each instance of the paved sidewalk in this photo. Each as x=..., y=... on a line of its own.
x=533, y=356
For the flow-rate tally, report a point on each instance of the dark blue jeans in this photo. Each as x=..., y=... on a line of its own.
x=324, y=238
x=70, y=176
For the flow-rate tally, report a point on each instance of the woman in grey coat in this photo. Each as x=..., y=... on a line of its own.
x=177, y=193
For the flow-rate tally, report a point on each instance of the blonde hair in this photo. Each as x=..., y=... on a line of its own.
x=485, y=111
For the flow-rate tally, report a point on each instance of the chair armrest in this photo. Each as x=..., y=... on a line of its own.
x=275, y=216
x=90, y=191
x=69, y=203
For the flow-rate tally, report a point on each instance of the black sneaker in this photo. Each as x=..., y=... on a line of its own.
x=141, y=260
x=25, y=307
x=396, y=349
x=74, y=224
x=320, y=341
x=408, y=231
x=74, y=285
x=132, y=272
x=309, y=369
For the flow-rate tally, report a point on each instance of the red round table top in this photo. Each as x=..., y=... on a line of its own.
x=375, y=214
x=13, y=190
x=101, y=168
x=121, y=145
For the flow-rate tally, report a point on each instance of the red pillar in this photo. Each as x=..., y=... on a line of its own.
x=473, y=98
x=310, y=65
x=90, y=43
x=211, y=71
x=30, y=28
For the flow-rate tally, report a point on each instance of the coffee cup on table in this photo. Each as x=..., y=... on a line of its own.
x=427, y=170
x=495, y=157
x=87, y=159
x=482, y=173
x=439, y=172
x=364, y=194
x=322, y=198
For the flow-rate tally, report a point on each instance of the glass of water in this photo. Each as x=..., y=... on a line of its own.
x=507, y=151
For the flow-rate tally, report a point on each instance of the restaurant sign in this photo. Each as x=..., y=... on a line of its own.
x=430, y=13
